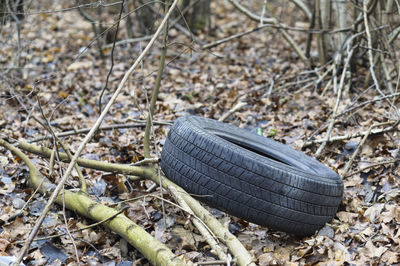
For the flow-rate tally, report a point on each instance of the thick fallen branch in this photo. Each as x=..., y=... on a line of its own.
x=242, y=256
x=79, y=202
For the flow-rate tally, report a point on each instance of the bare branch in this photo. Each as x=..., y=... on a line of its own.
x=272, y=21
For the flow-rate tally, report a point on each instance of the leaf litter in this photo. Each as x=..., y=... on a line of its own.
x=365, y=229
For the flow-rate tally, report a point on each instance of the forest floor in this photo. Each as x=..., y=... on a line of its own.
x=282, y=101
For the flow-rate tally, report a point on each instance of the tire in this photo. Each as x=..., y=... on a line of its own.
x=250, y=176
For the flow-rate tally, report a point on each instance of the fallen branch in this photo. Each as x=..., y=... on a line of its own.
x=236, y=248
x=79, y=202
x=235, y=108
x=350, y=162
x=107, y=127
x=215, y=248
x=372, y=166
x=352, y=136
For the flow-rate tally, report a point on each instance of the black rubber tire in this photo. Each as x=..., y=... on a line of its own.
x=250, y=176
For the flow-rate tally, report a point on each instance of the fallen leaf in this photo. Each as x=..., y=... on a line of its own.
x=80, y=65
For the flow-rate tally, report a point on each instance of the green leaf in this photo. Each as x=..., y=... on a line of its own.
x=271, y=132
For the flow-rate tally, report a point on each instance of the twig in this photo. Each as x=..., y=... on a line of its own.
x=199, y=225
x=146, y=161
x=242, y=256
x=303, y=8
x=351, y=136
x=94, y=27
x=149, y=124
x=112, y=56
x=263, y=12
x=175, y=23
x=235, y=108
x=339, y=94
x=238, y=35
x=349, y=163
x=371, y=166
x=366, y=103
x=371, y=57
x=77, y=230
x=89, y=136
x=274, y=22
x=394, y=34
x=132, y=40
x=213, y=262
x=48, y=127
x=56, y=140
x=106, y=127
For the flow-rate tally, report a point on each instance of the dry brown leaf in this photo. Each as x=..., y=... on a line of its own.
x=80, y=65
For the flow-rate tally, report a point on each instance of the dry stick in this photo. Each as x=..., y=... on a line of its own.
x=339, y=94
x=107, y=127
x=349, y=163
x=351, y=136
x=388, y=78
x=56, y=139
x=263, y=13
x=88, y=137
x=77, y=230
x=18, y=24
x=371, y=57
x=48, y=127
x=236, y=248
x=82, y=181
x=367, y=102
x=173, y=24
x=112, y=56
x=202, y=229
x=238, y=35
x=94, y=27
x=274, y=22
x=149, y=125
x=235, y=108
x=394, y=34
x=131, y=40
x=372, y=165
x=108, y=29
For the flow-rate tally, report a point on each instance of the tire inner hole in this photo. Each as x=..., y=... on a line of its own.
x=251, y=148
